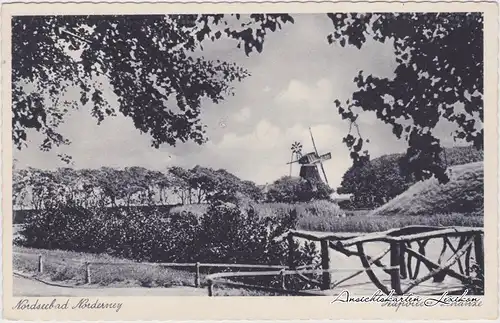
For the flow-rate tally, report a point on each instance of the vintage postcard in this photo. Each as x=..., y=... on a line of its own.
x=249, y=161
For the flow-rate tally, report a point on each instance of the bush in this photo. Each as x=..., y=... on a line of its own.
x=139, y=234
x=225, y=234
x=296, y=189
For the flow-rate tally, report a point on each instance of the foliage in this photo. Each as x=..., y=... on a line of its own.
x=375, y=182
x=224, y=234
x=439, y=76
x=289, y=189
x=153, y=70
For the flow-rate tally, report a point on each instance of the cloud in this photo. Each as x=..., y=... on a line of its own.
x=316, y=96
x=261, y=155
x=243, y=115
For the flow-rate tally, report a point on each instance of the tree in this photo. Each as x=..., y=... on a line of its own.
x=203, y=181
x=439, y=76
x=181, y=183
x=164, y=183
x=110, y=181
x=374, y=182
x=250, y=189
x=289, y=189
x=20, y=187
x=147, y=60
x=43, y=188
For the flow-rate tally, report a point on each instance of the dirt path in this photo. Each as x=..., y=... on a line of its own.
x=32, y=288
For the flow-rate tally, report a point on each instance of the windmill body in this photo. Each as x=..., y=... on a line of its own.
x=310, y=164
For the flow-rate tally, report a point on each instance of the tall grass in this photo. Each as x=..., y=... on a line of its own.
x=195, y=209
x=327, y=216
x=318, y=208
x=361, y=223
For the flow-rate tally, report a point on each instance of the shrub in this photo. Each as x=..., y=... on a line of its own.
x=63, y=273
x=296, y=189
x=225, y=234
x=140, y=234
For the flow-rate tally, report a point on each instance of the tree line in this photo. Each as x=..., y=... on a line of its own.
x=111, y=187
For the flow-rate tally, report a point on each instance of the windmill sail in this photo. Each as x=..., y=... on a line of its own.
x=326, y=156
x=320, y=158
x=312, y=138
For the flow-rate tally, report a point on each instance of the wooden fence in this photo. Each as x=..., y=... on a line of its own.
x=196, y=266
x=402, y=254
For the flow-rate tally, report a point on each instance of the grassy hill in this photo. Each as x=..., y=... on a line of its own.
x=462, y=194
x=382, y=179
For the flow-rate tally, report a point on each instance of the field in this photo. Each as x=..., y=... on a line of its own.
x=363, y=223
x=328, y=217
x=69, y=267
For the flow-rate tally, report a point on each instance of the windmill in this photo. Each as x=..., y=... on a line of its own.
x=310, y=163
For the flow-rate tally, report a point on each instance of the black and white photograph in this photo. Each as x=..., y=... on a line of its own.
x=253, y=154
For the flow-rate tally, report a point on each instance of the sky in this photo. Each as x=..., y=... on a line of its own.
x=292, y=86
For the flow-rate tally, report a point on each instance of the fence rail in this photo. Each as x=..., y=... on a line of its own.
x=195, y=265
x=218, y=279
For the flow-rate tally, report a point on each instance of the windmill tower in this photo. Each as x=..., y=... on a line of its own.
x=310, y=164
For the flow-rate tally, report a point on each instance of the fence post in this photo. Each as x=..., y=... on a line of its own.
x=290, y=250
x=282, y=277
x=479, y=250
x=197, y=275
x=402, y=262
x=210, y=288
x=40, y=263
x=88, y=278
x=325, y=264
x=395, y=272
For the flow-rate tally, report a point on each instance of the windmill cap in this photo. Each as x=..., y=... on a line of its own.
x=308, y=158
